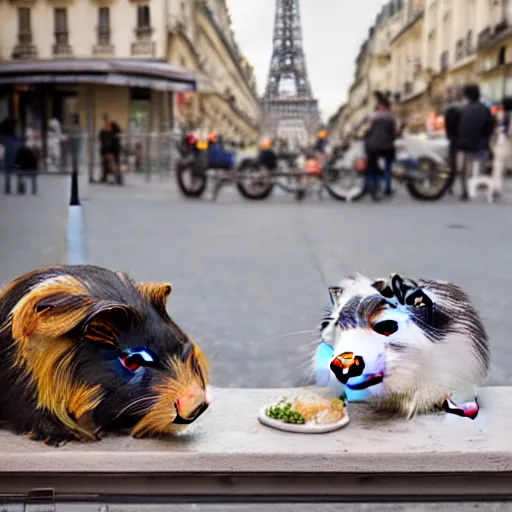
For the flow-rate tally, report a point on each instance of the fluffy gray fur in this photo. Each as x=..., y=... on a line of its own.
x=440, y=348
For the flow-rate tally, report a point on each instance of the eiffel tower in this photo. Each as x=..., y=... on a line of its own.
x=289, y=110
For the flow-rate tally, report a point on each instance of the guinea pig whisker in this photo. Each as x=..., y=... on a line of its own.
x=139, y=401
x=287, y=335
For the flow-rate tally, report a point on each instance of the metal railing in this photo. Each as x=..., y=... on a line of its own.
x=150, y=153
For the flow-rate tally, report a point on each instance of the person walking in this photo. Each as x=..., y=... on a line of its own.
x=107, y=148
x=475, y=128
x=10, y=142
x=116, y=151
x=379, y=142
x=451, y=126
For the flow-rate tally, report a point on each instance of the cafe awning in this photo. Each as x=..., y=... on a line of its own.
x=152, y=74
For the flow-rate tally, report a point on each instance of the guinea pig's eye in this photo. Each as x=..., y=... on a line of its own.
x=386, y=327
x=134, y=358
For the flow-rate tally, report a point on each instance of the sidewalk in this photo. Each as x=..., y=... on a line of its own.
x=33, y=228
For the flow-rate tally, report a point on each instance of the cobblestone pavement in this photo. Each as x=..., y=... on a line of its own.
x=246, y=275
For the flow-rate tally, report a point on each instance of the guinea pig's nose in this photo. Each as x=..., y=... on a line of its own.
x=347, y=365
x=191, y=404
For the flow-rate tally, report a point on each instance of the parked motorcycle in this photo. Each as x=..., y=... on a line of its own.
x=421, y=164
x=202, y=160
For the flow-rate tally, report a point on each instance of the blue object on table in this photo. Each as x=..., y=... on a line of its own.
x=324, y=354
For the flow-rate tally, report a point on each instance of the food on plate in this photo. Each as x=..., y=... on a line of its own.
x=319, y=411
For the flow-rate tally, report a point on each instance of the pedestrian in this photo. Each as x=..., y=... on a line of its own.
x=106, y=149
x=116, y=151
x=9, y=141
x=379, y=142
x=475, y=128
x=55, y=138
x=451, y=125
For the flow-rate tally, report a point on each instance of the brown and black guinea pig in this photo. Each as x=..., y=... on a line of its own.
x=86, y=350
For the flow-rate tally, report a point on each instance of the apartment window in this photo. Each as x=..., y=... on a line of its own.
x=24, y=30
x=502, y=56
x=104, y=25
x=61, y=26
x=143, y=17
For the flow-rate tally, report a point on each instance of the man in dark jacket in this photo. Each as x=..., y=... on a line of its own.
x=451, y=124
x=379, y=143
x=116, y=150
x=475, y=128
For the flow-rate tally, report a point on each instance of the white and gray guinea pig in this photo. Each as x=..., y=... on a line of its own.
x=410, y=346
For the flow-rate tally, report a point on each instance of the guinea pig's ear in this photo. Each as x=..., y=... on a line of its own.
x=51, y=308
x=156, y=294
x=59, y=306
x=335, y=293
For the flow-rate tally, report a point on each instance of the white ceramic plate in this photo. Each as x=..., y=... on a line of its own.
x=310, y=428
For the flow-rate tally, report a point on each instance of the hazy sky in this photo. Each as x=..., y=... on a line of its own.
x=332, y=32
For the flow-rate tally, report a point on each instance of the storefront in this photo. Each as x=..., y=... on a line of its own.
x=136, y=94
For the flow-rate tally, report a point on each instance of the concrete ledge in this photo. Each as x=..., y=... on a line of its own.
x=228, y=440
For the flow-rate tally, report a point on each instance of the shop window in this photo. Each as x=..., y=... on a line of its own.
x=24, y=26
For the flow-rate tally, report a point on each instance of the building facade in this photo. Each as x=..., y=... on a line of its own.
x=424, y=51
x=200, y=38
x=193, y=35
x=374, y=67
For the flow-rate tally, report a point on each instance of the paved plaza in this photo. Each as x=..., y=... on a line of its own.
x=247, y=275
x=250, y=278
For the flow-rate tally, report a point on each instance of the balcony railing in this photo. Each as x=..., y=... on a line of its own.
x=491, y=35
x=103, y=46
x=103, y=36
x=144, y=45
x=24, y=50
x=143, y=32
x=25, y=37
x=61, y=47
